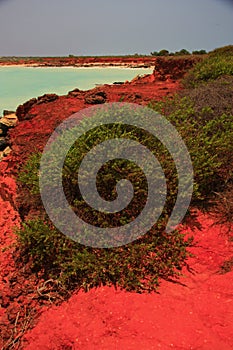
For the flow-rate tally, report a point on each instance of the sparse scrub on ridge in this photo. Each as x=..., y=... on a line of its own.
x=218, y=62
x=204, y=111
x=208, y=139
x=223, y=209
x=217, y=96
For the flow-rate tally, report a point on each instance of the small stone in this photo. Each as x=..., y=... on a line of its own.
x=6, y=151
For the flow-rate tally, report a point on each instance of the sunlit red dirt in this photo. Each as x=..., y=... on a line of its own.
x=196, y=314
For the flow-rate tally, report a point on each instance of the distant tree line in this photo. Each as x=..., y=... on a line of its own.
x=162, y=52
x=165, y=52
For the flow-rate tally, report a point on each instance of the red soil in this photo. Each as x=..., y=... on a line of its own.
x=196, y=315
x=124, y=61
x=143, y=61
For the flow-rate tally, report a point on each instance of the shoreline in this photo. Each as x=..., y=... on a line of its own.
x=91, y=70
x=87, y=65
x=82, y=62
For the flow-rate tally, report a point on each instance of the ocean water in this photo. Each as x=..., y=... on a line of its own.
x=19, y=84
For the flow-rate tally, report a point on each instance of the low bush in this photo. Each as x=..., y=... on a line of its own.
x=199, y=52
x=218, y=63
x=203, y=114
x=215, y=96
x=222, y=51
x=134, y=267
x=223, y=208
x=209, y=140
x=137, y=266
x=227, y=266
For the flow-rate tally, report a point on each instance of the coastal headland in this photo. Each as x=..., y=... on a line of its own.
x=178, y=317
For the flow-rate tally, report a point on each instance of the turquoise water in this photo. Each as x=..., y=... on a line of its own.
x=19, y=84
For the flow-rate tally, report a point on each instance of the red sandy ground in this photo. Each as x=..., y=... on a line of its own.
x=197, y=314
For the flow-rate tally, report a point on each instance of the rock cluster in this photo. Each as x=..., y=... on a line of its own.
x=22, y=110
x=8, y=121
x=96, y=97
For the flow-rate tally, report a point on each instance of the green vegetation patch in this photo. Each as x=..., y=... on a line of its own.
x=134, y=267
x=137, y=266
x=218, y=63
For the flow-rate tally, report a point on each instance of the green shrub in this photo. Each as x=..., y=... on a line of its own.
x=182, y=52
x=30, y=172
x=136, y=266
x=154, y=53
x=114, y=171
x=163, y=52
x=199, y=52
x=222, y=209
x=218, y=63
x=208, y=138
x=222, y=51
x=217, y=96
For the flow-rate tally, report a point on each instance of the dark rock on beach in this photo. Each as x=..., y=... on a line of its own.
x=22, y=110
x=6, y=112
x=3, y=143
x=47, y=98
x=76, y=93
x=96, y=97
x=3, y=129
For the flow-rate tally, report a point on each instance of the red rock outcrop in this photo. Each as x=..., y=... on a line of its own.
x=172, y=68
x=22, y=111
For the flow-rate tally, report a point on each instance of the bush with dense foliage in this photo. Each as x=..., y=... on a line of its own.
x=136, y=266
x=199, y=52
x=182, y=52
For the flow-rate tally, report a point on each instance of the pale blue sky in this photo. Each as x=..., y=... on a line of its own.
x=101, y=27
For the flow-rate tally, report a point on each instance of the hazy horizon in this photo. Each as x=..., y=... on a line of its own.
x=108, y=28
